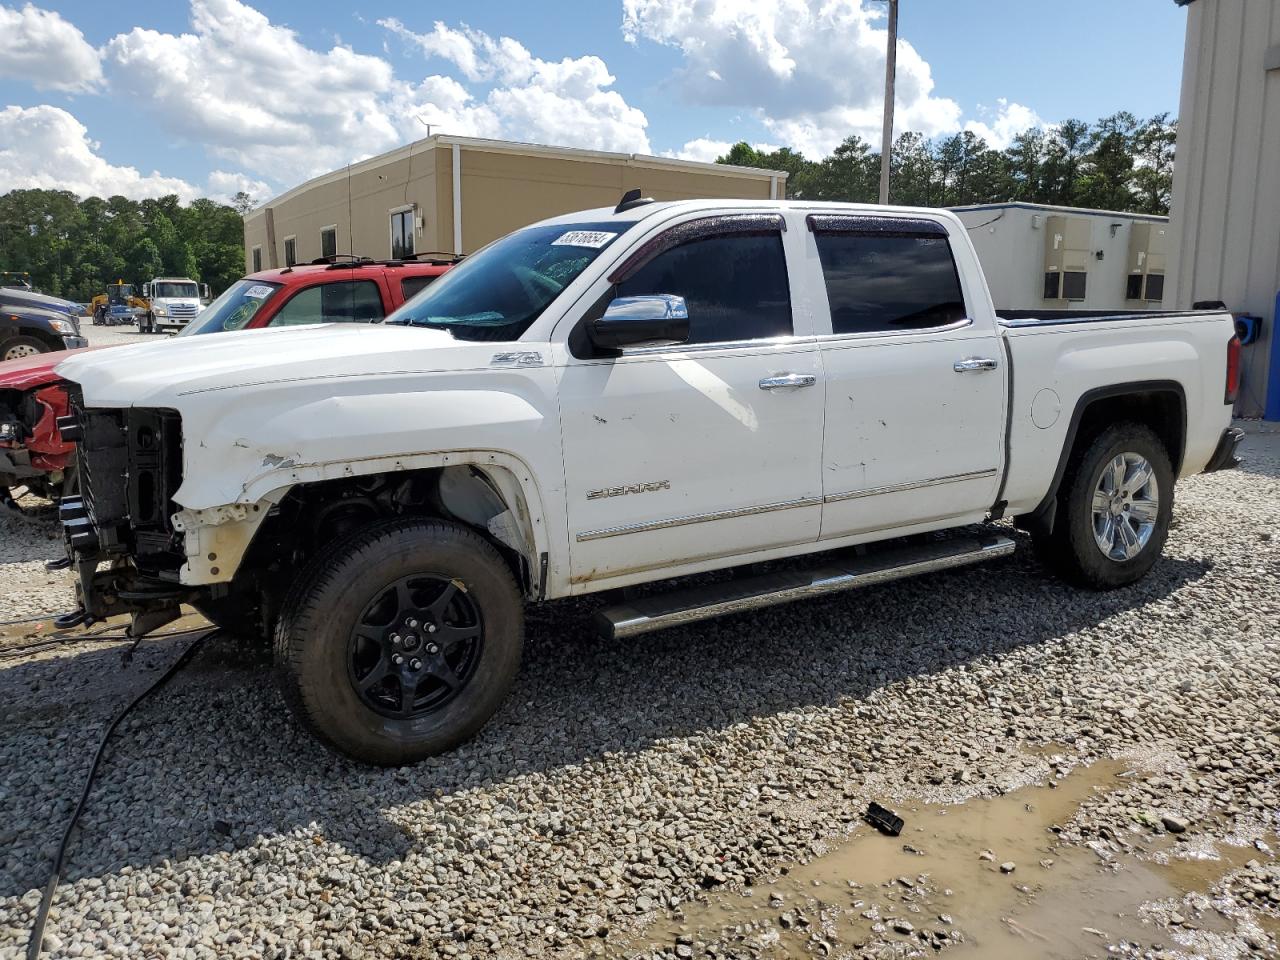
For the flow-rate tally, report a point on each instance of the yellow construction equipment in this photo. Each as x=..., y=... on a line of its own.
x=117, y=305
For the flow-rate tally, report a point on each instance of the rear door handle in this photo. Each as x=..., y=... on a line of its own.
x=784, y=380
x=970, y=364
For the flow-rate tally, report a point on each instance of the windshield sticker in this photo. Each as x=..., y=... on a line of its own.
x=595, y=239
x=258, y=291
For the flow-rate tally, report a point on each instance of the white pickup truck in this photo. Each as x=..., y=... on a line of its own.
x=621, y=397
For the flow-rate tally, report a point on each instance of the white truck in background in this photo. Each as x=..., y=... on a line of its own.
x=173, y=303
x=614, y=398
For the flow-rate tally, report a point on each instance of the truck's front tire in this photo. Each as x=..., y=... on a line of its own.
x=400, y=641
x=1114, y=508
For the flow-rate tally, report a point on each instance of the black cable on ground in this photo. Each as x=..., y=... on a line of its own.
x=59, y=860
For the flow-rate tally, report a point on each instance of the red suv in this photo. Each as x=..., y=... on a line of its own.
x=360, y=291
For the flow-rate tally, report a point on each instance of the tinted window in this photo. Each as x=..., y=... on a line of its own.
x=735, y=286
x=328, y=242
x=881, y=282
x=344, y=302
x=290, y=252
x=1073, y=285
x=1052, y=285
x=1155, y=286
x=1133, y=287
x=411, y=285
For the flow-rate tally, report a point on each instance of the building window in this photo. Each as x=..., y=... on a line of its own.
x=1133, y=287
x=402, y=234
x=290, y=251
x=329, y=242
x=1073, y=284
x=1155, y=286
x=257, y=259
x=1052, y=285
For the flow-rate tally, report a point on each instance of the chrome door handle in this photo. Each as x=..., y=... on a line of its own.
x=784, y=380
x=970, y=364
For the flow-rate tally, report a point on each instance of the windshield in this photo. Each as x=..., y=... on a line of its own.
x=164, y=289
x=233, y=309
x=118, y=293
x=497, y=293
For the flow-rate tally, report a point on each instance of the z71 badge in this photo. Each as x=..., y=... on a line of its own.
x=650, y=487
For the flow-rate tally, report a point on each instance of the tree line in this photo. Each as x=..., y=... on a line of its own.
x=74, y=247
x=1118, y=163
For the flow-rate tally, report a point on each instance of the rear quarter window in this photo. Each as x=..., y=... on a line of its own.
x=889, y=282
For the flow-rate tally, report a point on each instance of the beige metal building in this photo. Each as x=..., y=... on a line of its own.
x=1044, y=258
x=1225, y=228
x=455, y=194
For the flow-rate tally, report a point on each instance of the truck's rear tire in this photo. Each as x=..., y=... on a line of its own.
x=1114, y=508
x=399, y=642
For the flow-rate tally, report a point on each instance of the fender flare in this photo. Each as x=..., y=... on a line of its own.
x=1040, y=520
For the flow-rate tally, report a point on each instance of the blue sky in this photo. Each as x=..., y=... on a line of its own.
x=208, y=96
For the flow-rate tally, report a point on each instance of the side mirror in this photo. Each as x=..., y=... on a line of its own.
x=657, y=319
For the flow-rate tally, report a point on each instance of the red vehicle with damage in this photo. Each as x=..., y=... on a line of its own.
x=32, y=452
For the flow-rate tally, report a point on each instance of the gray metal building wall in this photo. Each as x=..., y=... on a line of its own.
x=1225, y=215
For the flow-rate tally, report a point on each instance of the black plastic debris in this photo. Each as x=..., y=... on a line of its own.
x=884, y=820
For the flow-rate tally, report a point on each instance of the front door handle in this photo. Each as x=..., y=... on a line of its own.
x=784, y=380
x=970, y=364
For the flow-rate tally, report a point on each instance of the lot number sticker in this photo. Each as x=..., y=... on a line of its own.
x=257, y=292
x=595, y=239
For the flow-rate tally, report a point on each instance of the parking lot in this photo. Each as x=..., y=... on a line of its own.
x=629, y=792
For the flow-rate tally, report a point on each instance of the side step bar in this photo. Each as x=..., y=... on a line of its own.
x=702, y=603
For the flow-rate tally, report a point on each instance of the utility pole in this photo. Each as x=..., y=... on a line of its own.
x=890, y=75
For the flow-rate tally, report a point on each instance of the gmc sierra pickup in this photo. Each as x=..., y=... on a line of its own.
x=620, y=397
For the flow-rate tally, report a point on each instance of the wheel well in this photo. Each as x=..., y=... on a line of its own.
x=1160, y=405
x=313, y=515
x=36, y=334
x=1164, y=411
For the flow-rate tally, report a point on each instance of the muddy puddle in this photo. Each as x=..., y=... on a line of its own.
x=986, y=878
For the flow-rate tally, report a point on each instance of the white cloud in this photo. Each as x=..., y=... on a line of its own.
x=42, y=48
x=223, y=185
x=252, y=93
x=708, y=149
x=812, y=71
x=998, y=127
x=566, y=102
x=46, y=147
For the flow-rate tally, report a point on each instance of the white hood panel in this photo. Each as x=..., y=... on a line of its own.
x=159, y=374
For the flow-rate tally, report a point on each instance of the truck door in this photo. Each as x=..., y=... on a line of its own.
x=915, y=408
x=704, y=450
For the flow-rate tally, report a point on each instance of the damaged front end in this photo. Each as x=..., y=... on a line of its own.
x=32, y=453
x=119, y=531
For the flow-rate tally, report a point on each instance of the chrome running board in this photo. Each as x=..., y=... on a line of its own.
x=713, y=600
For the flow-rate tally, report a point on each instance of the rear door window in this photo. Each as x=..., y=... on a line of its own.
x=887, y=277
x=345, y=301
x=734, y=285
x=410, y=286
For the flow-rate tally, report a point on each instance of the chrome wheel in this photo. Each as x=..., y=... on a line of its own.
x=1126, y=504
x=20, y=350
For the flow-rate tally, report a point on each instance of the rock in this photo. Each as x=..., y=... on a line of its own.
x=1174, y=824
x=1008, y=866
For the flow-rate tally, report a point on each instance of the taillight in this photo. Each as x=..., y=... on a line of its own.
x=1233, y=370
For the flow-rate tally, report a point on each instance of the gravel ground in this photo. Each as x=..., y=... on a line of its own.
x=623, y=779
x=105, y=336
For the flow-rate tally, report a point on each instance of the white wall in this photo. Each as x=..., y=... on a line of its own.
x=1226, y=183
x=1010, y=240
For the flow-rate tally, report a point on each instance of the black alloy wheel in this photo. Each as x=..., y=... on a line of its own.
x=415, y=646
